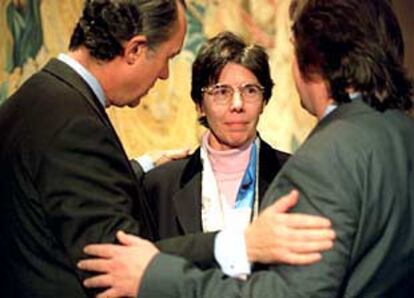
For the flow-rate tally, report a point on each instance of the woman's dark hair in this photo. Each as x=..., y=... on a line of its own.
x=105, y=24
x=353, y=44
x=226, y=48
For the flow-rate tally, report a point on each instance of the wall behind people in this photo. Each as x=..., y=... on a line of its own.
x=35, y=30
x=404, y=10
x=32, y=31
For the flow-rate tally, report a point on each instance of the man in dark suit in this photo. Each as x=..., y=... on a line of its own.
x=356, y=168
x=65, y=178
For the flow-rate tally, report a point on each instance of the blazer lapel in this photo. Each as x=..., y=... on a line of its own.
x=187, y=200
x=269, y=166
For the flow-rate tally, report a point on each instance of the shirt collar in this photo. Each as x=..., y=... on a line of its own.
x=330, y=108
x=355, y=95
x=87, y=76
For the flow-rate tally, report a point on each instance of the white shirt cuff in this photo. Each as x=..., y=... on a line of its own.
x=145, y=162
x=230, y=253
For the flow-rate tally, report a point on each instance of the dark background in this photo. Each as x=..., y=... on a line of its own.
x=405, y=12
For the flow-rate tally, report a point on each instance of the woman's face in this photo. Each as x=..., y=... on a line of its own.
x=232, y=122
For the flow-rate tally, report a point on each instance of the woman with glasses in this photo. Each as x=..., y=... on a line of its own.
x=221, y=184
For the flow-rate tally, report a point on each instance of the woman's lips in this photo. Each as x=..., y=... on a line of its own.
x=236, y=124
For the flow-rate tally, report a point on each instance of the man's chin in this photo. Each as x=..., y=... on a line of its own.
x=135, y=103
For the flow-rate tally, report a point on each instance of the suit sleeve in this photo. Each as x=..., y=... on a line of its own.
x=138, y=170
x=196, y=248
x=319, y=179
x=87, y=187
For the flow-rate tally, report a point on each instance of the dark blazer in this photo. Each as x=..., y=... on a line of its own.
x=174, y=190
x=65, y=182
x=356, y=168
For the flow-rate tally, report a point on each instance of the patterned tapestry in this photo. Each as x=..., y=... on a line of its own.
x=33, y=31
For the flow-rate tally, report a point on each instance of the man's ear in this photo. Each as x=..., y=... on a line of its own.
x=135, y=47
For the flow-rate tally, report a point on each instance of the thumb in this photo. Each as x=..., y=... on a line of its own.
x=128, y=239
x=286, y=202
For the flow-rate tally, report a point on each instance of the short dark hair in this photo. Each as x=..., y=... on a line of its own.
x=222, y=49
x=353, y=43
x=105, y=24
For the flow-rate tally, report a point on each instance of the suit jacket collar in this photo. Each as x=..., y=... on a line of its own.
x=268, y=165
x=187, y=200
x=343, y=111
x=68, y=75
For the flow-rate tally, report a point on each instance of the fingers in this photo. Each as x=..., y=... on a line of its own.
x=306, y=240
x=298, y=220
x=99, y=281
x=178, y=153
x=128, y=239
x=305, y=221
x=110, y=293
x=310, y=235
x=161, y=157
x=310, y=247
x=286, y=202
x=101, y=250
x=94, y=265
x=301, y=259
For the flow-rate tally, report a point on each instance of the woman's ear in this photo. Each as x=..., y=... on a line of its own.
x=200, y=109
x=134, y=48
x=264, y=103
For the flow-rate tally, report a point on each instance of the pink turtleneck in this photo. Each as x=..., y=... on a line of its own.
x=228, y=167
